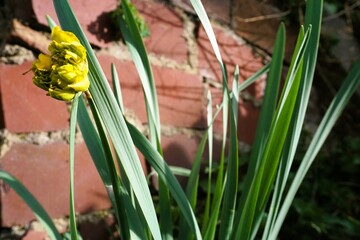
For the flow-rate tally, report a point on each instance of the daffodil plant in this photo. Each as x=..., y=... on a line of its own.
x=267, y=192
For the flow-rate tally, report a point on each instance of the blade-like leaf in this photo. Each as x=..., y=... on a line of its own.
x=210, y=146
x=295, y=70
x=157, y=162
x=231, y=179
x=201, y=13
x=192, y=185
x=133, y=40
x=116, y=86
x=247, y=206
x=312, y=19
x=73, y=121
x=254, y=77
x=132, y=37
x=336, y=107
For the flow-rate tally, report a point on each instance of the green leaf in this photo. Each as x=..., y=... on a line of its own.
x=253, y=77
x=116, y=87
x=130, y=223
x=138, y=53
x=132, y=37
x=295, y=71
x=210, y=146
x=334, y=111
x=231, y=179
x=313, y=19
x=73, y=121
x=157, y=162
x=192, y=185
x=245, y=214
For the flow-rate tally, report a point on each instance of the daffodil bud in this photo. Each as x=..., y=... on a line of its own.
x=42, y=69
x=63, y=73
x=60, y=94
x=70, y=77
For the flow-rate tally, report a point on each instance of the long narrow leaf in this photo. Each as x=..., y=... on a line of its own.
x=192, y=185
x=219, y=185
x=116, y=86
x=73, y=121
x=246, y=205
x=231, y=187
x=295, y=70
x=253, y=77
x=312, y=19
x=201, y=13
x=129, y=220
x=334, y=111
x=133, y=40
x=132, y=37
x=157, y=162
x=210, y=146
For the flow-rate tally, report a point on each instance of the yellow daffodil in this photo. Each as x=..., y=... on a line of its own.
x=60, y=94
x=42, y=70
x=63, y=73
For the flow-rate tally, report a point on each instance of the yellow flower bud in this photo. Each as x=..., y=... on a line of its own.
x=60, y=94
x=43, y=63
x=70, y=77
x=42, y=70
x=59, y=36
x=64, y=72
x=80, y=86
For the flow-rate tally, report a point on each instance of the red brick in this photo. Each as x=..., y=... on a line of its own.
x=35, y=235
x=262, y=32
x=179, y=150
x=25, y=107
x=181, y=98
x=233, y=51
x=214, y=8
x=166, y=30
x=247, y=118
x=44, y=170
x=97, y=25
x=180, y=95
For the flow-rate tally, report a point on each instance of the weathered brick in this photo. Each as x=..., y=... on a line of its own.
x=44, y=170
x=179, y=150
x=181, y=98
x=234, y=51
x=248, y=116
x=97, y=25
x=166, y=30
x=180, y=94
x=249, y=24
x=35, y=235
x=214, y=8
x=25, y=107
